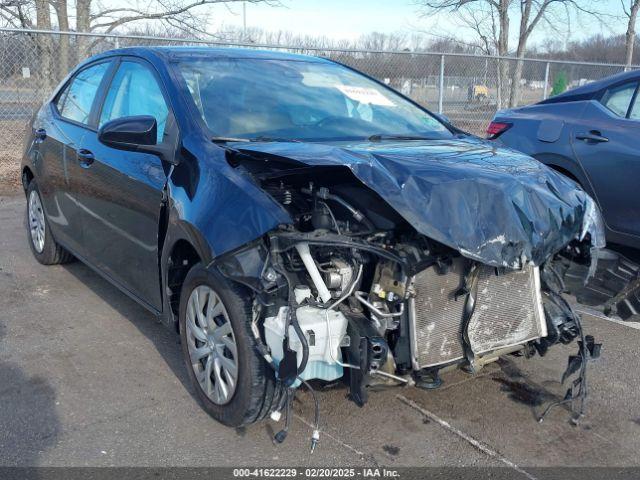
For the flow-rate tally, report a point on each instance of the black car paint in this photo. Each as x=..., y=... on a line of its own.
x=131, y=210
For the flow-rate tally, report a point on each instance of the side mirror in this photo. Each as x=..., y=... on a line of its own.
x=136, y=134
x=130, y=133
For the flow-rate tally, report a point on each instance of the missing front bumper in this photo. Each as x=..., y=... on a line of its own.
x=499, y=310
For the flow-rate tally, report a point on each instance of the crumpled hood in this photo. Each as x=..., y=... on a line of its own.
x=492, y=204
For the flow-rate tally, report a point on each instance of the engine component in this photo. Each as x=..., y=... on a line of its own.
x=324, y=330
x=338, y=276
x=389, y=283
x=301, y=293
x=322, y=217
x=377, y=352
x=507, y=311
x=314, y=273
x=384, y=320
x=368, y=351
x=435, y=316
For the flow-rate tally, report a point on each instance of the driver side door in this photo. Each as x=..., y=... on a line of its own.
x=123, y=191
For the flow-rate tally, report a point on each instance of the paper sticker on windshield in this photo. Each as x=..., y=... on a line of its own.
x=369, y=96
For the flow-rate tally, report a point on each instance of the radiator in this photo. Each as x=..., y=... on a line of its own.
x=508, y=311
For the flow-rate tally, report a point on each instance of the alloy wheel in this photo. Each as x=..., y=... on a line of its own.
x=36, y=221
x=212, y=345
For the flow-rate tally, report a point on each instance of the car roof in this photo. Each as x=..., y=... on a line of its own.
x=174, y=52
x=587, y=91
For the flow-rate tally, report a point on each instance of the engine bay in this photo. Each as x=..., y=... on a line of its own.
x=350, y=291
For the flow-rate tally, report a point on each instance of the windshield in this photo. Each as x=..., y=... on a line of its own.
x=297, y=100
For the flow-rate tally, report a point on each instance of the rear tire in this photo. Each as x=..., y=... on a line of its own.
x=227, y=336
x=43, y=246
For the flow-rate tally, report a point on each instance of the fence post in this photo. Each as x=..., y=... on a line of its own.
x=546, y=82
x=441, y=89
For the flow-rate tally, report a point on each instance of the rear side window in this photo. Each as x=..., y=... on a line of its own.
x=619, y=98
x=135, y=91
x=74, y=103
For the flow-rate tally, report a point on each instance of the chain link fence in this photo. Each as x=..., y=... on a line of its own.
x=467, y=89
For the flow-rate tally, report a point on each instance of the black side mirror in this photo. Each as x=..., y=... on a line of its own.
x=136, y=134
x=129, y=133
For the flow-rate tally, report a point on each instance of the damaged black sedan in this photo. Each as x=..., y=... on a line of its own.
x=296, y=220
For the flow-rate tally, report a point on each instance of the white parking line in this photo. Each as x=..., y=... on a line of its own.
x=335, y=439
x=468, y=438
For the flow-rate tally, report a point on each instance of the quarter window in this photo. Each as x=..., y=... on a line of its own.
x=619, y=98
x=76, y=99
x=135, y=91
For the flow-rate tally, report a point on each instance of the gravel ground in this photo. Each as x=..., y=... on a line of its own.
x=89, y=378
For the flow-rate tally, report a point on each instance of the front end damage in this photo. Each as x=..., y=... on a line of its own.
x=353, y=288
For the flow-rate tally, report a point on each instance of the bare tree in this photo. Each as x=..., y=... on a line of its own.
x=94, y=16
x=491, y=20
x=631, y=11
x=62, y=14
x=531, y=13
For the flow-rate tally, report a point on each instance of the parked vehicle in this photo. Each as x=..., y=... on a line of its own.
x=297, y=220
x=590, y=135
x=477, y=93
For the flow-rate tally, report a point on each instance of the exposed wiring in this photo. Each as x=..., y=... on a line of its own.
x=338, y=241
x=293, y=320
x=315, y=436
x=582, y=377
x=282, y=434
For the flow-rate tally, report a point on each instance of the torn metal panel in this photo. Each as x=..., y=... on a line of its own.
x=493, y=205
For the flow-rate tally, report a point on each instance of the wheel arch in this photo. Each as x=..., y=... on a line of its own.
x=180, y=259
x=26, y=176
x=567, y=167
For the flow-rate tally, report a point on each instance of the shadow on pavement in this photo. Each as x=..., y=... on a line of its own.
x=166, y=341
x=29, y=423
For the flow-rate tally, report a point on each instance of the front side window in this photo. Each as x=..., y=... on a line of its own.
x=618, y=99
x=74, y=103
x=291, y=99
x=135, y=91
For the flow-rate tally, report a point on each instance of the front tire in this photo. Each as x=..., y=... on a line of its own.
x=233, y=382
x=43, y=246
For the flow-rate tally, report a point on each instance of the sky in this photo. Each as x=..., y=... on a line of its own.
x=349, y=19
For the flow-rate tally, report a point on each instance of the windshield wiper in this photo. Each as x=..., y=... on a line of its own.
x=384, y=136
x=261, y=138
x=228, y=139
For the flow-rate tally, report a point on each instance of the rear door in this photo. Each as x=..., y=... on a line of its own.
x=605, y=142
x=59, y=131
x=123, y=190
